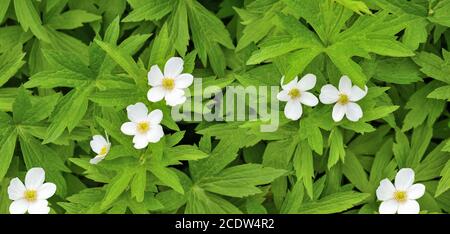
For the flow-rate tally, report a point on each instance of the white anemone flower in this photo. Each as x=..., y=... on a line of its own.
x=295, y=94
x=400, y=198
x=144, y=127
x=169, y=85
x=101, y=147
x=345, y=98
x=32, y=196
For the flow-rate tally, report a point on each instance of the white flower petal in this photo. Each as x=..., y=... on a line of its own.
x=155, y=76
x=357, y=93
x=307, y=82
x=386, y=190
x=283, y=95
x=34, y=178
x=137, y=112
x=416, y=191
x=45, y=191
x=173, y=67
x=404, y=179
x=96, y=159
x=140, y=141
x=354, y=112
x=175, y=97
x=338, y=112
x=156, y=94
x=345, y=85
x=18, y=206
x=293, y=110
x=155, y=117
x=129, y=128
x=308, y=99
x=388, y=207
x=328, y=94
x=183, y=81
x=155, y=134
x=409, y=207
x=39, y=207
x=97, y=143
x=16, y=189
x=291, y=84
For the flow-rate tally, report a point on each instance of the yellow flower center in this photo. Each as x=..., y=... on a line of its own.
x=343, y=99
x=143, y=127
x=294, y=93
x=168, y=83
x=104, y=150
x=400, y=196
x=30, y=195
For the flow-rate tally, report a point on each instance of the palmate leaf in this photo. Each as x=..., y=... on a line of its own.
x=240, y=181
x=29, y=111
x=202, y=202
x=75, y=102
x=416, y=28
x=69, y=69
x=368, y=34
x=208, y=35
x=179, y=28
x=417, y=115
x=259, y=17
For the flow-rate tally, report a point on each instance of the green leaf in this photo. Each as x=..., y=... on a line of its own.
x=354, y=171
x=433, y=66
x=396, y=70
x=4, y=9
x=337, y=151
x=293, y=200
x=441, y=93
x=260, y=24
x=125, y=61
x=29, y=18
x=240, y=181
x=7, y=146
x=138, y=184
x=358, y=7
x=72, y=19
x=334, y=203
x=75, y=102
x=10, y=63
x=444, y=183
x=117, y=186
x=150, y=10
x=208, y=33
x=60, y=78
x=162, y=48
x=417, y=114
x=167, y=176
x=304, y=166
x=439, y=13
x=184, y=152
x=202, y=202
x=37, y=155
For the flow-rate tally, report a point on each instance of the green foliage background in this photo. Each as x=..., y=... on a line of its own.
x=69, y=68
